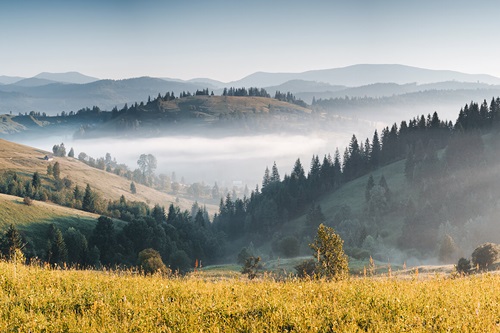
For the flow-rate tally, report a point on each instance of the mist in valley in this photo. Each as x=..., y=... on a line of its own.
x=225, y=160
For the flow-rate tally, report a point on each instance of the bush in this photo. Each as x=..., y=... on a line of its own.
x=27, y=201
x=179, y=261
x=485, y=255
x=307, y=268
x=150, y=262
x=463, y=266
x=251, y=267
x=289, y=247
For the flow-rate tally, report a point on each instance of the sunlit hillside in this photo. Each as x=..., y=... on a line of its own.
x=33, y=220
x=27, y=160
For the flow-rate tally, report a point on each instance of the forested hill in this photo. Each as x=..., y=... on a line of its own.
x=248, y=113
x=423, y=189
x=236, y=110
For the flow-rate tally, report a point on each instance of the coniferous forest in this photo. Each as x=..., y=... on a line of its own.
x=449, y=174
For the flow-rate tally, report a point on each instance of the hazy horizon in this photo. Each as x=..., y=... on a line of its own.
x=227, y=41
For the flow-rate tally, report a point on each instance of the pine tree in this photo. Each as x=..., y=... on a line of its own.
x=103, y=237
x=71, y=153
x=88, y=203
x=314, y=172
x=337, y=169
x=133, y=189
x=10, y=242
x=369, y=185
x=266, y=180
x=275, y=175
x=56, y=170
x=298, y=171
x=36, y=181
x=57, y=252
x=383, y=183
x=375, y=152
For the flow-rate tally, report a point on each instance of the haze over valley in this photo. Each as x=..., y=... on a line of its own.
x=260, y=166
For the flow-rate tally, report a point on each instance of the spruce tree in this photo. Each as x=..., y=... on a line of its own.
x=57, y=252
x=104, y=238
x=56, y=170
x=369, y=185
x=36, y=181
x=275, y=175
x=266, y=179
x=10, y=242
x=88, y=203
x=375, y=152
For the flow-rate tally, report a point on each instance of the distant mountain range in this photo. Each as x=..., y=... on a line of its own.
x=57, y=92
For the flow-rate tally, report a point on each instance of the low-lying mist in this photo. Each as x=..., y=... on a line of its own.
x=202, y=159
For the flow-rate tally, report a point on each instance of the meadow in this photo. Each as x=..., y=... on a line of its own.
x=37, y=299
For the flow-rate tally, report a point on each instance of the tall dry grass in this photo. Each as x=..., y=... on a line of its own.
x=34, y=299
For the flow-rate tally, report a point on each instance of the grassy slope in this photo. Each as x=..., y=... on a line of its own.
x=353, y=195
x=27, y=160
x=215, y=105
x=34, y=220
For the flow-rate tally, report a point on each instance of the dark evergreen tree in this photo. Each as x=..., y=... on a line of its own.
x=56, y=170
x=369, y=185
x=36, y=181
x=77, y=247
x=10, y=242
x=275, y=175
x=88, y=203
x=375, y=152
x=103, y=237
x=57, y=253
x=266, y=179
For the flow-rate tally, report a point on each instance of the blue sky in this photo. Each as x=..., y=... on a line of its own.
x=227, y=40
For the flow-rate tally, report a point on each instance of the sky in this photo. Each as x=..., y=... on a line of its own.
x=228, y=40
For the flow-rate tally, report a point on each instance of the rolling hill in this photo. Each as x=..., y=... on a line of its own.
x=27, y=160
x=33, y=220
x=56, y=97
x=56, y=92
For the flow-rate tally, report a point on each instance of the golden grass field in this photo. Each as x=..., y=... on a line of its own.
x=34, y=299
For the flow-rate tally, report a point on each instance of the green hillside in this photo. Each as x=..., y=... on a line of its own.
x=423, y=192
x=33, y=221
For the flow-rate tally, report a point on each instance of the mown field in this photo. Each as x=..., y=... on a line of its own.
x=41, y=300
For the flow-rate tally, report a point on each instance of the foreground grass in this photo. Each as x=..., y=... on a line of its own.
x=41, y=300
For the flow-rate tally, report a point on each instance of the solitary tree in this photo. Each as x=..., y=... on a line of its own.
x=329, y=253
x=56, y=170
x=485, y=255
x=133, y=189
x=147, y=164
